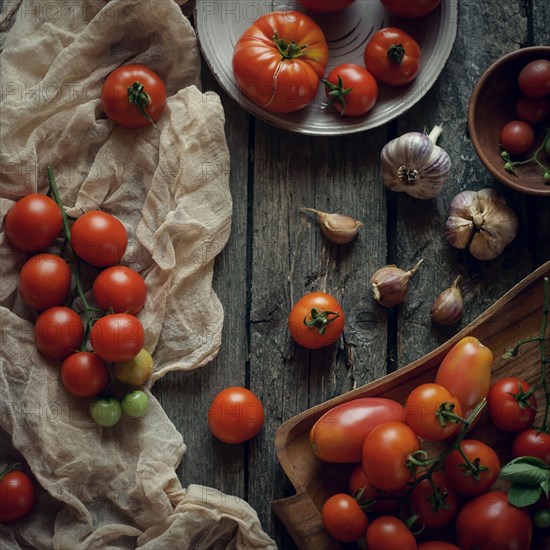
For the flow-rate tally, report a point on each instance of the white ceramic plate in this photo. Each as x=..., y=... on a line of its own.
x=220, y=23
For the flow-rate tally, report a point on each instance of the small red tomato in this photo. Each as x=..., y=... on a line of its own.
x=389, y=533
x=531, y=442
x=508, y=408
x=517, y=137
x=58, y=332
x=17, y=495
x=435, y=509
x=121, y=289
x=534, y=78
x=84, y=374
x=236, y=415
x=33, y=222
x=343, y=518
x=532, y=110
x=44, y=281
x=117, y=337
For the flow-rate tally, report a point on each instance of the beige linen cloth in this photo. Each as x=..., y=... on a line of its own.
x=100, y=487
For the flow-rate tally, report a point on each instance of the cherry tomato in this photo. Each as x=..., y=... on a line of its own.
x=541, y=519
x=117, y=337
x=351, y=89
x=17, y=494
x=44, y=281
x=135, y=403
x=84, y=374
x=534, y=78
x=325, y=6
x=517, y=137
x=410, y=8
x=236, y=415
x=99, y=238
x=136, y=371
x=389, y=533
x=33, y=222
x=392, y=56
x=507, y=409
x=425, y=409
x=339, y=434
x=437, y=545
x=58, y=332
x=121, y=289
x=531, y=442
x=385, y=453
x=133, y=96
x=105, y=412
x=486, y=465
x=490, y=522
x=316, y=320
x=279, y=59
x=466, y=372
x=532, y=110
x=343, y=518
x=435, y=509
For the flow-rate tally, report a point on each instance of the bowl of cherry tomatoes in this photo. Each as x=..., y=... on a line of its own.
x=509, y=119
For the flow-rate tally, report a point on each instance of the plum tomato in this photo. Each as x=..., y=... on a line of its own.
x=339, y=434
x=343, y=518
x=351, y=89
x=385, y=454
x=58, y=332
x=490, y=522
x=435, y=509
x=483, y=473
x=425, y=412
x=120, y=288
x=135, y=403
x=517, y=137
x=44, y=281
x=117, y=337
x=508, y=408
x=325, y=6
x=534, y=78
x=133, y=96
x=17, y=494
x=33, y=222
x=84, y=374
x=99, y=238
x=235, y=415
x=532, y=442
x=316, y=320
x=389, y=533
x=411, y=9
x=105, y=412
x=532, y=110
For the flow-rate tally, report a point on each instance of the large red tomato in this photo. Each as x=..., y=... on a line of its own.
x=133, y=96
x=117, y=337
x=410, y=8
x=343, y=518
x=33, y=222
x=58, y=332
x=17, y=494
x=279, y=59
x=121, y=289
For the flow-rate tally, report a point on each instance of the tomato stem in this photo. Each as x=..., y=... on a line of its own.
x=288, y=50
x=320, y=319
x=55, y=192
x=141, y=99
x=337, y=93
x=510, y=165
x=396, y=53
x=7, y=469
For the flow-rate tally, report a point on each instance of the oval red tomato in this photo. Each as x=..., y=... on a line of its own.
x=99, y=238
x=534, y=78
x=351, y=89
x=316, y=320
x=44, y=281
x=532, y=442
x=339, y=434
x=58, y=332
x=326, y=6
x=121, y=289
x=507, y=409
x=490, y=522
x=117, y=337
x=33, y=222
x=410, y=8
x=279, y=59
x=235, y=415
x=343, y=518
x=17, y=495
x=392, y=56
x=517, y=137
x=133, y=96
x=385, y=454
x=389, y=533
x=84, y=374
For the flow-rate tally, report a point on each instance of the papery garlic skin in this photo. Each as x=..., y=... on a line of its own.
x=481, y=221
x=337, y=228
x=390, y=284
x=414, y=164
x=447, y=308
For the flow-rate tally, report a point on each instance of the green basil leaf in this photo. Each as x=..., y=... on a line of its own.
x=528, y=474
x=546, y=487
x=521, y=495
x=533, y=460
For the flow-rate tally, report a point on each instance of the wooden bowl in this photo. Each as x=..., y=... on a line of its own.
x=491, y=106
x=515, y=316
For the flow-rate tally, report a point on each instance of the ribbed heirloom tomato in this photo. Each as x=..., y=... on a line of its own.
x=279, y=59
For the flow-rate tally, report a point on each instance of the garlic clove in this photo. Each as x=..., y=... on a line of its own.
x=459, y=231
x=391, y=284
x=447, y=308
x=337, y=228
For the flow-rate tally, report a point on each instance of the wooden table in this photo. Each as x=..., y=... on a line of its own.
x=276, y=254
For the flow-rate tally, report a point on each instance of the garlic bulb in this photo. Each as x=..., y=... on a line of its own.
x=391, y=284
x=413, y=163
x=482, y=222
x=447, y=308
x=337, y=228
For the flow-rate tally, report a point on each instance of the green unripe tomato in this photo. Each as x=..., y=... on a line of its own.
x=135, y=403
x=105, y=411
x=542, y=519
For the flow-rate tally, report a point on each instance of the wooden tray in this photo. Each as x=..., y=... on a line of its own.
x=515, y=316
